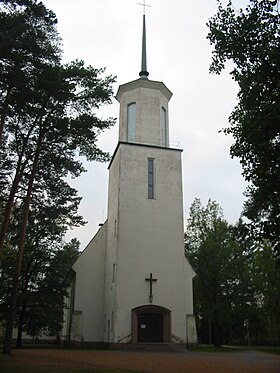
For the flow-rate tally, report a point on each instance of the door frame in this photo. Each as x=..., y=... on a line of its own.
x=166, y=313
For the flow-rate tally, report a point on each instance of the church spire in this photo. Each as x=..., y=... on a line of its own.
x=144, y=73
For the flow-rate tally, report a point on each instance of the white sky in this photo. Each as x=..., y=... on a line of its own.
x=107, y=33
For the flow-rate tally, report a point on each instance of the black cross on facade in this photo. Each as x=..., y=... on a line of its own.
x=151, y=280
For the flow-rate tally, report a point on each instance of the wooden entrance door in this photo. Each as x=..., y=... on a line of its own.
x=151, y=324
x=150, y=327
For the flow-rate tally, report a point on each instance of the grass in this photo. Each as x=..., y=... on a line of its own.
x=212, y=348
x=271, y=350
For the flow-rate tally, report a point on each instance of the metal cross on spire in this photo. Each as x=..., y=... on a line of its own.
x=144, y=6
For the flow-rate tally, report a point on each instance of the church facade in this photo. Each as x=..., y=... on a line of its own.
x=133, y=284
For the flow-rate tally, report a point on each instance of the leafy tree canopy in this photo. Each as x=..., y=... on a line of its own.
x=209, y=248
x=42, y=287
x=48, y=117
x=237, y=278
x=250, y=39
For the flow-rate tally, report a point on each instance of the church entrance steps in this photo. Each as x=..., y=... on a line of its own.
x=148, y=346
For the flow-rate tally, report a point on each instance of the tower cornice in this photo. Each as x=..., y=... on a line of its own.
x=141, y=145
x=143, y=83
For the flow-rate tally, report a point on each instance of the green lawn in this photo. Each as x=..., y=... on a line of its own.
x=271, y=350
x=211, y=348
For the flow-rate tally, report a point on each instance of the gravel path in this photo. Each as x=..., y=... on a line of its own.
x=156, y=362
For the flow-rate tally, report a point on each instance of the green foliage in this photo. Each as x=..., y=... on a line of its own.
x=48, y=119
x=48, y=108
x=40, y=96
x=208, y=248
x=237, y=279
x=266, y=276
x=250, y=39
x=28, y=43
x=42, y=288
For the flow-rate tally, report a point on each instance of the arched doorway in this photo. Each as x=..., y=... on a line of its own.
x=151, y=324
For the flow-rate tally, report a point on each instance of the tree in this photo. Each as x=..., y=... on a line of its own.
x=207, y=246
x=28, y=40
x=237, y=278
x=29, y=43
x=261, y=267
x=266, y=276
x=48, y=126
x=223, y=293
x=41, y=286
x=250, y=39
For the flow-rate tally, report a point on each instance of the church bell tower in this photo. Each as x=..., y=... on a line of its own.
x=148, y=281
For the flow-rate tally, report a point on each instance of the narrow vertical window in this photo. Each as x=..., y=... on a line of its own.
x=131, y=122
x=151, y=178
x=114, y=271
x=112, y=321
x=164, y=132
x=115, y=228
x=108, y=324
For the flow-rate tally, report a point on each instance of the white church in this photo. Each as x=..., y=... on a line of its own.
x=132, y=284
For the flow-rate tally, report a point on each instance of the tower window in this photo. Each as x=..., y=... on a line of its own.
x=115, y=228
x=112, y=321
x=151, y=178
x=131, y=122
x=164, y=132
x=114, y=272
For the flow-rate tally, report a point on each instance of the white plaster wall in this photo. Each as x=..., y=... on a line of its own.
x=150, y=238
x=89, y=294
x=112, y=247
x=149, y=97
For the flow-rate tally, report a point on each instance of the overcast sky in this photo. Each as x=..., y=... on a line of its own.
x=107, y=33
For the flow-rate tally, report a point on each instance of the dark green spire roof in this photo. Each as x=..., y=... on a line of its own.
x=144, y=73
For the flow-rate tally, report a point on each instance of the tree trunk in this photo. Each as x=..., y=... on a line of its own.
x=4, y=112
x=9, y=206
x=20, y=325
x=18, y=175
x=230, y=335
x=217, y=340
x=19, y=335
x=13, y=300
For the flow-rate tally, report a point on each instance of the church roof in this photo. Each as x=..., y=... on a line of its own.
x=143, y=83
x=144, y=73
